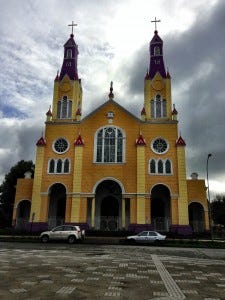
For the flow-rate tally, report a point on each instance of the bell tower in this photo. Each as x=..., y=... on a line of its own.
x=67, y=95
x=157, y=86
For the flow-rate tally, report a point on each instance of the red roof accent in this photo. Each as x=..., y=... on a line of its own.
x=49, y=113
x=168, y=74
x=41, y=142
x=140, y=141
x=174, y=112
x=143, y=112
x=147, y=76
x=79, y=141
x=180, y=142
x=78, y=112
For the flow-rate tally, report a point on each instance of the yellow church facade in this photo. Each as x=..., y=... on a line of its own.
x=112, y=170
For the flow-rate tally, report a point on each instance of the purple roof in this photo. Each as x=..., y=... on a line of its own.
x=69, y=65
x=156, y=56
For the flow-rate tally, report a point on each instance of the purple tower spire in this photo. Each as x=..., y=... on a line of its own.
x=69, y=65
x=156, y=56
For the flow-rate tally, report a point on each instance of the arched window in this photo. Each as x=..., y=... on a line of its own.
x=69, y=53
x=152, y=166
x=66, y=166
x=64, y=108
x=156, y=51
x=52, y=166
x=158, y=107
x=59, y=109
x=168, y=167
x=160, y=167
x=109, y=145
x=59, y=166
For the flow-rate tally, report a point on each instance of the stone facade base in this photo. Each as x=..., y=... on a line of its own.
x=37, y=226
x=183, y=230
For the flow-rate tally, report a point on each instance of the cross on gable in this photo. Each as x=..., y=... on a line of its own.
x=155, y=21
x=73, y=24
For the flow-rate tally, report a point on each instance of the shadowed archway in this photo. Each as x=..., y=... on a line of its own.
x=160, y=207
x=23, y=215
x=108, y=198
x=196, y=217
x=57, y=205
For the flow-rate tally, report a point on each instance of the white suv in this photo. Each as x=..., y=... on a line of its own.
x=63, y=232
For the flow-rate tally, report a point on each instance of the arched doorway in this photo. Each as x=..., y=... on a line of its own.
x=108, y=199
x=57, y=205
x=160, y=207
x=196, y=217
x=23, y=215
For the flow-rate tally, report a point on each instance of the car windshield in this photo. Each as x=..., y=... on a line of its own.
x=60, y=228
x=143, y=233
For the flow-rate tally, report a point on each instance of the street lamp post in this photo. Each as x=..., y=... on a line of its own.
x=209, y=207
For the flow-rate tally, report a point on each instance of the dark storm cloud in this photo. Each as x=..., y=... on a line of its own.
x=24, y=143
x=196, y=60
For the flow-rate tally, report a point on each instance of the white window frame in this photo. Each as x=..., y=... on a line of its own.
x=156, y=166
x=162, y=113
x=159, y=153
x=69, y=107
x=53, y=145
x=104, y=128
x=55, y=166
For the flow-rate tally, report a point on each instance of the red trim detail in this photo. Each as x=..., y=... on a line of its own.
x=168, y=75
x=78, y=112
x=174, y=112
x=147, y=76
x=49, y=113
x=41, y=142
x=79, y=141
x=140, y=141
x=180, y=141
x=143, y=112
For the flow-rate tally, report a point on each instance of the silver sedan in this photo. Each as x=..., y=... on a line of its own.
x=147, y=237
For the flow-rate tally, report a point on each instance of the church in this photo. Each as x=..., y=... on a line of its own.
x=112, y=170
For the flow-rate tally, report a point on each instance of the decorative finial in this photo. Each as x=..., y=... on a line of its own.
x=72, y=25
x=155, y=21
x=111, y=95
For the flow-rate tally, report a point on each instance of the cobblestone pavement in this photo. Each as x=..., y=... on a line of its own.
x=109, y=272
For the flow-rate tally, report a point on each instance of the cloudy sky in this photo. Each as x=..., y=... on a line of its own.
x=113, y=38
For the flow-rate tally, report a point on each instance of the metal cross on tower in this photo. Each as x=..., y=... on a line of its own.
x=155, y=21
x=73, y=24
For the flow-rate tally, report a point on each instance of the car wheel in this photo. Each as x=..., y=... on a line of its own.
x=157, y=242
x=44, y=239
x=71, y=239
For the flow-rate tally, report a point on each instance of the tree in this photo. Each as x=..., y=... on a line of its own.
x=218, y=209
x=8, y=190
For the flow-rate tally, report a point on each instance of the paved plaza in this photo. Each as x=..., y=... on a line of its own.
x=59, y=271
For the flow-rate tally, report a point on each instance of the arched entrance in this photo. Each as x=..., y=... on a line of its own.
x=108, y=199
x=23, y=215
x=57, y=205
x=196, y=217
x=160, y=207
